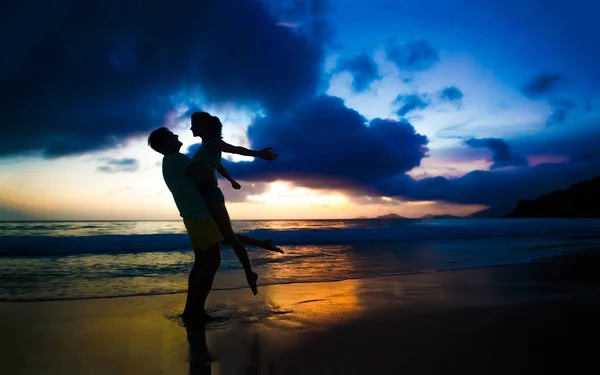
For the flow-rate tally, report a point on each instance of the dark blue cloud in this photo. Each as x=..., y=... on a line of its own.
x=191, y=150
x=411, y=103
x=557, y=117
x=499, y=189
x=451, y=93
x=561, y=109
x=588, y=107
x=307, y=16
x=364, y=71
x=566, y=104
x=324, y=144
x=119, y=165
x=568, y=141
x=542, y=85
x=80, y=76
x=502, y=156
x=412, y=56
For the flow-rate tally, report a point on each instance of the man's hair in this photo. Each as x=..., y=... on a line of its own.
x=211, y=123
x=157, y=138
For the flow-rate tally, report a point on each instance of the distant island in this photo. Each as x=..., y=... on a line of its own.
x=580, y=200
x=390, y=216
x=382, y=217
x=396, y=216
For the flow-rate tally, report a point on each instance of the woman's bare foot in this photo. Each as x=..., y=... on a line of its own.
x=252, y=277
x=268, y=244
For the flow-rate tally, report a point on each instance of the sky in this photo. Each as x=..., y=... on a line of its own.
x=415, y=107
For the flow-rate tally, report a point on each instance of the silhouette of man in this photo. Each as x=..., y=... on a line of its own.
x=202, y=230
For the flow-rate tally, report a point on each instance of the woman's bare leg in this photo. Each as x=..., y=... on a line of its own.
x=251, y=241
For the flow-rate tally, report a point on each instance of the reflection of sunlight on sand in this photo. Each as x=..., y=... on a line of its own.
x=317, y=301
x=314, y=301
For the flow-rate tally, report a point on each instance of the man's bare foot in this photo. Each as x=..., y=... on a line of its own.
x=199, y=318
x=207, y=318
x=268, y=244
x=191, y=318
x=252, y=277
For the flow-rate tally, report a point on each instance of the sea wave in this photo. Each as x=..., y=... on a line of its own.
x=404, y=233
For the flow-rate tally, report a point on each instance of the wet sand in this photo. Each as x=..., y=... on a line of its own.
x=525, y=318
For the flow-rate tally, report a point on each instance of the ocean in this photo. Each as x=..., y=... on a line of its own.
x=76, y=260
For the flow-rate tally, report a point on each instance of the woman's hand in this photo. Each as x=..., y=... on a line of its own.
x=235, y=185
x=266, y=154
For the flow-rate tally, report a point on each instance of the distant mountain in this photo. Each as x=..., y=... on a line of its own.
x=390, y=216
x=579, y=200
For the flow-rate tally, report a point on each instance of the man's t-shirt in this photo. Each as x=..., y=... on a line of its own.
x=184, y=190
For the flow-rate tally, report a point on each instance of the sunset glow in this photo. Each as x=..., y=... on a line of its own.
x=281, y=193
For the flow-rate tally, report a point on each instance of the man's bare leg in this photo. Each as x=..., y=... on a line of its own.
x=212, y=260
x=200, y=281
x=191, y=303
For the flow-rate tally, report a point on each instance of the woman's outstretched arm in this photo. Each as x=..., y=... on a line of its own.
x=265, y=153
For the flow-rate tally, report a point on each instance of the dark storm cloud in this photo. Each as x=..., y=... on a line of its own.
x=324, y=144
x=566, y=104
x=412, y=56
x=557, y=117
x=561, y=109
x=191, y=150
x=364, y=71
x=542, y=85
x=578, y=144
x=451, y=93
x=503, y=188
x=502, y=156
x=79, y=76
x=119, y=165
x=411, y=103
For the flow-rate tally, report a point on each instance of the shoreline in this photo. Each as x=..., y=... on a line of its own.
x=564, y=256
x=524, y=315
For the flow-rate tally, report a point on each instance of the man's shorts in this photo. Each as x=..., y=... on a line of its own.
x=203, y=233
x=211, y=193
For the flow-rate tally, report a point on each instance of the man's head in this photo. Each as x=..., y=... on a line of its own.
x=164, y=141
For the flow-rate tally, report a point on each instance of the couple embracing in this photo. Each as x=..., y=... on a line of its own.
x=201, y=204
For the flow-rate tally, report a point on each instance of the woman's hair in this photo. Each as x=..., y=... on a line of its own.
x=211, y=124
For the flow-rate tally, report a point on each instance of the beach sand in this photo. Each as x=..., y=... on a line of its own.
x=527, y=318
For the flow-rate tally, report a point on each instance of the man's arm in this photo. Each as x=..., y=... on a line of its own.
x=231, y=149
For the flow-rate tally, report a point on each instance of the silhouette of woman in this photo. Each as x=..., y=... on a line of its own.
x=204, y=163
